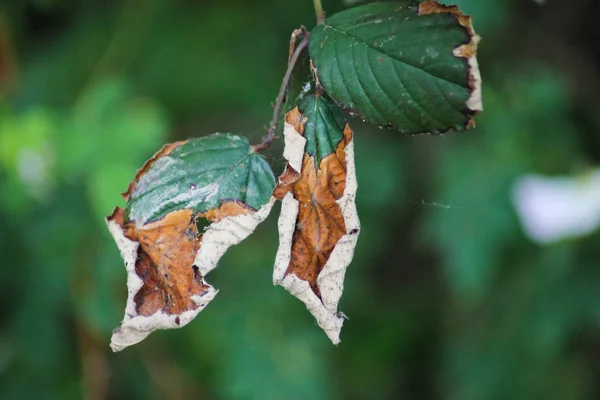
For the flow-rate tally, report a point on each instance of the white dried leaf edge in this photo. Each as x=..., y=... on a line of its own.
x=475, y=101
x=216, y=240
x=331, y=279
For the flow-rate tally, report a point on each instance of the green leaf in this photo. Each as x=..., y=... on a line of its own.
x=401, y=65
x=200, y=174
x=324, y=125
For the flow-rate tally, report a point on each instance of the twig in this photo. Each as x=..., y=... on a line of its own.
x=319, y=11
x=297, y=32
x=293, y=58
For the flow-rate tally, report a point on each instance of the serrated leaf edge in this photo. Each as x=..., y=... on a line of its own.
x=469, y=51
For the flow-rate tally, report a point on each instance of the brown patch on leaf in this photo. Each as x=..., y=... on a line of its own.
x=118, y=216
x=286, y=180
x=295, y=118
x=166, y=253
x=433, y=7
x=348, y=134
x=320, y=222
x=467, y=50
x=164, y=151
x=290, y=175
x=227, y=209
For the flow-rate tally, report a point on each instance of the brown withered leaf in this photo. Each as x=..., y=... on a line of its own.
x=163, y=261
x=166, y=250
x=318, y=223
x=166, y=256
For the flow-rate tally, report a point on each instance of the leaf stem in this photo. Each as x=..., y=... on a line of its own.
x=295, y=52
x=319, y=11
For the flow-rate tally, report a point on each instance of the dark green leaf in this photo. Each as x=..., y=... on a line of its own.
x=402, y=65
x=200, y=174
x=324, y=125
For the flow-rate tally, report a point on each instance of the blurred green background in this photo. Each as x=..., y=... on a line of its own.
x=447, y=296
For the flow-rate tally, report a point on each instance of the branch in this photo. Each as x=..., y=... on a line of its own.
x=293, y=58
x=319, y=11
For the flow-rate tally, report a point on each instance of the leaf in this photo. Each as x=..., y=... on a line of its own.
x=318, y=225
x=401, y=65
x=167, y=256
x=199, y=174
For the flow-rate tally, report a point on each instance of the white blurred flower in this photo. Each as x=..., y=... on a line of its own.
x=34, y=169
x=553, y=209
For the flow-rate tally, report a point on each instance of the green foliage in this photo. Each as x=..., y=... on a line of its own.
x=323, y=131
x=200, y=174
x=395, y=67
x=447, y=298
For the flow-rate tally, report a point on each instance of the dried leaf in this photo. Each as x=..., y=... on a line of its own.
x=219, y=178
x=318, y=225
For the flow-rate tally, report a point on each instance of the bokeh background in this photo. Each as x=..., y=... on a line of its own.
x=448, y=296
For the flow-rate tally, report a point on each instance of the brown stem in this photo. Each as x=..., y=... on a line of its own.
x=293, y=58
